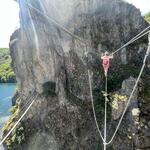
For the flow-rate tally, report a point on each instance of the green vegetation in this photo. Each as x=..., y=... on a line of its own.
x=115, y=99
x=17, y=137
x=15, y=112
x=115, y=81
x=6, y=72
x=147, y=17
x=99, y=103
x=4, y=52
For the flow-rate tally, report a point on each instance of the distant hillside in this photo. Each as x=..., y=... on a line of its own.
x=147, y=17
x=6, y=72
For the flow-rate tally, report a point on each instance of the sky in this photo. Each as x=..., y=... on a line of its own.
x=9, y=16
x=9, y=20
x=143, y=5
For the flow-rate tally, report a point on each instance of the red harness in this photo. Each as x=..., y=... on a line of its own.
x=106, y=64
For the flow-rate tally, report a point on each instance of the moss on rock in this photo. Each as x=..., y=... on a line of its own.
x=17, y=136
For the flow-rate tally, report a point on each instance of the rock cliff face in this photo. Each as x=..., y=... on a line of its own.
x=50, y=62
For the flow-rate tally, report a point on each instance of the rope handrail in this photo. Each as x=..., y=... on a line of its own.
x=134, y=88
x=105, y=118
x=15, y=125
x=79, y=38
x=132, y=40
x=93, y=109
x=138, y=36
x=55, y=22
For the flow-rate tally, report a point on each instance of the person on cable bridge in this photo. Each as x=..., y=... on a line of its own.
x=106, y=62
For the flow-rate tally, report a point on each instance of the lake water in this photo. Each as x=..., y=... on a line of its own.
x=7, y=90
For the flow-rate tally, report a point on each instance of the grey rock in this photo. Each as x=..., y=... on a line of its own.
x=42, y=52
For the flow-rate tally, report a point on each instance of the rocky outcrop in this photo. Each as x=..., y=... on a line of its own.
x=53, y=64
x=120, y=99
x=132, y=121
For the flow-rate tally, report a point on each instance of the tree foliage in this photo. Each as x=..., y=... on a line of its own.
x=6, y=72
x=147, y=17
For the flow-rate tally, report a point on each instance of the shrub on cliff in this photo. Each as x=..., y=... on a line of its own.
x=147, y=17
x=6, y=72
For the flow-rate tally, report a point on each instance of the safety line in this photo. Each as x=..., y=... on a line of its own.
x=75, y=36
x=105, y=118
x=134, y=88
x=56, y=23
x=140, y=33
x=79, y=38
x=91, y=95
x=133, y=40
x=21, y=109
x=29, y=98
x=7, y=135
